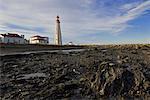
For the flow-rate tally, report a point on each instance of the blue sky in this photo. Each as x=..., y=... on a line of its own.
x=82, y=21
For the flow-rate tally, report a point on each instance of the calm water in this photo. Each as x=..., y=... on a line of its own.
x=44, y=51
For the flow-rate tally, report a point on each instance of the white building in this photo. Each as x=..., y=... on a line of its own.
x=58, y=38
x=11, y=38
x=39, y=40
x=70, y=43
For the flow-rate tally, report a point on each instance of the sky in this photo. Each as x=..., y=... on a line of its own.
x=82, y=21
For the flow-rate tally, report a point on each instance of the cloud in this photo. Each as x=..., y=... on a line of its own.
x=130, y=6
x=77, y=16
x=136, y=11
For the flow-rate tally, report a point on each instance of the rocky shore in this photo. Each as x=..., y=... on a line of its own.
x=106, y=72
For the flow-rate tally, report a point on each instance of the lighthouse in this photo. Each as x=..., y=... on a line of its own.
x=58, y=39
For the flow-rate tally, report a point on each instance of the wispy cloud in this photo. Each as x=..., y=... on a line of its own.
x=77, y=16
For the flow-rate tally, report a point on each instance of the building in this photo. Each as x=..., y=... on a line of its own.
x=39, y=40
x=70, y=43
x=58, y=39
x=11, y=38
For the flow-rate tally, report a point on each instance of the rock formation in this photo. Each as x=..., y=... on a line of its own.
x=119, y=72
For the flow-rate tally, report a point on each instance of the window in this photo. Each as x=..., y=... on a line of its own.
x=0, y=40
x=8, y=41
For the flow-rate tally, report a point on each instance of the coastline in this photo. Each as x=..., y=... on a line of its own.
x=8, y=49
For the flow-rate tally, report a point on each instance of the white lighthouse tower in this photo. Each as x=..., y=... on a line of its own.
x=58, y=39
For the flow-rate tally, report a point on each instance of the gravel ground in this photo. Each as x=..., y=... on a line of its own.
x=106, y=72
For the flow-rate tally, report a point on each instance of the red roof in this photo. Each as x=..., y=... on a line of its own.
x=40, y=39
x=36, y=36
x=11, y=35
